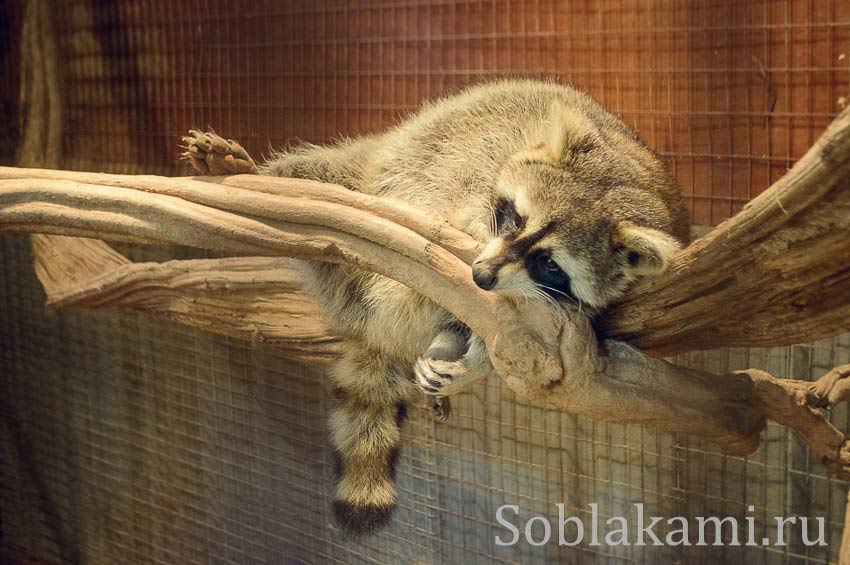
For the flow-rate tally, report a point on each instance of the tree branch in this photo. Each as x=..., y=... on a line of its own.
x=258, y=299
x=777, y=273
x=549, y=356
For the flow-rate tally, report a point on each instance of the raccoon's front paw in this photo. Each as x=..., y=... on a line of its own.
x=436, y=376
x=211, y=154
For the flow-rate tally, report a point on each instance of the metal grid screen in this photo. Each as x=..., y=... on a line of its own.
x=127, y=439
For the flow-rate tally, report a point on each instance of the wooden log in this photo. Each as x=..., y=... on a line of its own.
x=777, y=273
x=258, y=299
x=550, y=356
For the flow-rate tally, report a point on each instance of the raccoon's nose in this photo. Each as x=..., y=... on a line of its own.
x=484, y=276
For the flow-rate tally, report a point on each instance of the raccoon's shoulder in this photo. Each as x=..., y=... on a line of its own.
x=454, y=147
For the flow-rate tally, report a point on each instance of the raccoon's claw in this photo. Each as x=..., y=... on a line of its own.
x=442, y=407
x=210, y=154
x=439, y=379
x=432, y=383
x=433, y=376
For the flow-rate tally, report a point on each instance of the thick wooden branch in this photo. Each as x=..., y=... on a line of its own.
x=156, y=210
x=549, y=356
x=258, y=299
x=777, y=273
x=261, y=299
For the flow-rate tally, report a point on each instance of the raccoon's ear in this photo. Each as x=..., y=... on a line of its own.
x=645, y=251
x=568, y=133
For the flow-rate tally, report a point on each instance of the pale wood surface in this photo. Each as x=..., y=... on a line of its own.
x=550, y=357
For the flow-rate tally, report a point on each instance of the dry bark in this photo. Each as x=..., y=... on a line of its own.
x=549, y=356
x=777, y=273
x=258, y=299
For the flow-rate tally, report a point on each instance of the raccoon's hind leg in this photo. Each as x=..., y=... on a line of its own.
x=344, y=163
x=371, y=392
x=211, y=154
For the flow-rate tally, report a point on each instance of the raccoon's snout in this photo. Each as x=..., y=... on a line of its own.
x=484, y=275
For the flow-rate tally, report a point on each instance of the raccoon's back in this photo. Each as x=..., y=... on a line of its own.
x=451, y=151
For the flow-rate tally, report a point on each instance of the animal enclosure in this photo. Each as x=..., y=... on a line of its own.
x=135, y=438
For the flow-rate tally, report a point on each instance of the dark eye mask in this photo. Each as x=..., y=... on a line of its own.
x=552, y=279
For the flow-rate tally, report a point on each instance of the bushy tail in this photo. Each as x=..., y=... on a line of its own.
x=365, y=433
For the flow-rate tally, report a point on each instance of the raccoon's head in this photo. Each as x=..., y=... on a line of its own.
x=580, y=215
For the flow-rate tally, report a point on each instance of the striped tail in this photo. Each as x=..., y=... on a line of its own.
x=365, y=433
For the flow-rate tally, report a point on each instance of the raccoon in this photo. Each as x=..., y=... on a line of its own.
x=570, y=205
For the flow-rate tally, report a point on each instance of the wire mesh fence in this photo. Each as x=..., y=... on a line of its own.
x=125, y=438
x=729, y=93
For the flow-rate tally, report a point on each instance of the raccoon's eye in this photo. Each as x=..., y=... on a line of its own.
x=548, y=275
x=549, y=264
x=545, y=265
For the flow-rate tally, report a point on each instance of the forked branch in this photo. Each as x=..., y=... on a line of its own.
x=788, y=242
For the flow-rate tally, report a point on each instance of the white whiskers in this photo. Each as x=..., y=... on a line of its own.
x=571, y=299
x=561, y=292
x=545, y=296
